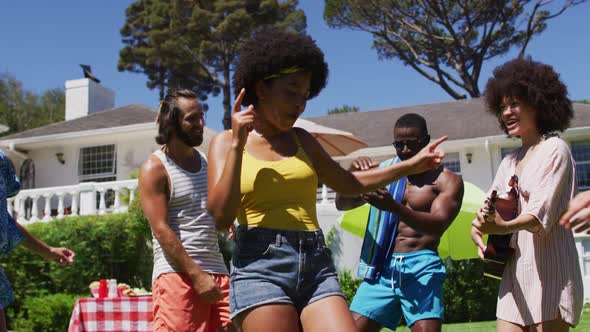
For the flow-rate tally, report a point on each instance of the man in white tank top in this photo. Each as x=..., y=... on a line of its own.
x=190, y=279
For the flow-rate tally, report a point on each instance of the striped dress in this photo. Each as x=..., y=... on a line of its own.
x=189, y=219
x=543, y=281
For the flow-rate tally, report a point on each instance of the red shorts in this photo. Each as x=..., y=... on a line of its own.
x=177, y=307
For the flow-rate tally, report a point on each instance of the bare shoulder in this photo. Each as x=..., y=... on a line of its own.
x=449, y=181
x=152, y=169
x=221, y=141
x=304, y=136
x=308, y=142
x=223, y=136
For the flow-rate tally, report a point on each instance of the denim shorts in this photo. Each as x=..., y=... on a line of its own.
x=280, y=267
x=411, y=284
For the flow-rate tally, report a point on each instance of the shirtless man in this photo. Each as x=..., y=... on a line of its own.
x=412, y=276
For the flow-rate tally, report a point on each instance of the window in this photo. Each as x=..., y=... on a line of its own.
x=97, y=163
x=581, y=153
x=452, y=162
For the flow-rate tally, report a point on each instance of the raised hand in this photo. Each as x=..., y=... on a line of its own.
x=490, y=223
x=242, y=122
x=577, y=216
x=362, y=164
x=428, y=158
x=380, y=198
x=205, y=286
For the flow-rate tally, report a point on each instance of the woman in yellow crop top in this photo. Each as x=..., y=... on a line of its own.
x=265, y=173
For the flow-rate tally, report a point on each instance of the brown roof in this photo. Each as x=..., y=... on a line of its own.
x=115, y=117
x=460, y=119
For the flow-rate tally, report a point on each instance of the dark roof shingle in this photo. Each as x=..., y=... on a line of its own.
x=460, y=119
x=115, y=117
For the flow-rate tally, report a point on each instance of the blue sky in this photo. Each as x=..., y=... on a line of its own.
x=42, y=43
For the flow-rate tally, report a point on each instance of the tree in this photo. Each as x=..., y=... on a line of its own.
x=583, y=101
x=21, y=109
x=343, y=109
x=447, y=42
x=193, y=44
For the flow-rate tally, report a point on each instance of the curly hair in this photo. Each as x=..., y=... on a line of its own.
x=169, y=113
x=535, y=84
x=271, y=50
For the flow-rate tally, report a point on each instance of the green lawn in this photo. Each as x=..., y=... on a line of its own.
x=491, y=326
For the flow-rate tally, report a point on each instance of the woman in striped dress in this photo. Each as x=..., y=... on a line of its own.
x=541, y=288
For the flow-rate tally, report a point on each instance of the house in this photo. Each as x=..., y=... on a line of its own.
x=95, y=149
x=475, y=148
x=84, y=164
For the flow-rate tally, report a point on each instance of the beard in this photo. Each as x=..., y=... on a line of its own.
x=189, y=139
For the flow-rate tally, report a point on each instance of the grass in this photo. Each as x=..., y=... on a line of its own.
x=584, y=326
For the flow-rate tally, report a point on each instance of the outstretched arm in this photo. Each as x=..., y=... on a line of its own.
x=63, y=256
x=344, y=203
x=356, y=183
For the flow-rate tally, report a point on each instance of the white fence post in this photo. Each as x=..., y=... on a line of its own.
x=87, y=199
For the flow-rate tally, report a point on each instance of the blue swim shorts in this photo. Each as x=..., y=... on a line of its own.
x=411, y=285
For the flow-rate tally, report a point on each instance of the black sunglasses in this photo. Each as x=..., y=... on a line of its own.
x=412, y=144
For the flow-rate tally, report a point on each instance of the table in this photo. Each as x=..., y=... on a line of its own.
x=112, y=314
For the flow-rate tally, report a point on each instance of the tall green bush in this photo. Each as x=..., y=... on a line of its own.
x=50, y=313
x=109, y=246
x=468, y=295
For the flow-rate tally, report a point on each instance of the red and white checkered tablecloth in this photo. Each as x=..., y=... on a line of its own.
x=112, y=314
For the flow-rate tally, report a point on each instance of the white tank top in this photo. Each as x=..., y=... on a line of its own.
x=189, y=220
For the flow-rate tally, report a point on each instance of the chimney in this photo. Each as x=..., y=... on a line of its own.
x=84, y=97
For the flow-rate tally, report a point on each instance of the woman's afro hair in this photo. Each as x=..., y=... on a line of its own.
x=535, y=84
x=271, y=50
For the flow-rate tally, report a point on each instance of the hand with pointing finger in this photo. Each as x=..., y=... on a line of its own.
x=428, y=158
x=242, y=122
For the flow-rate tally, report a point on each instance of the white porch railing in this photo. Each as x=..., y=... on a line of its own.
x=34, y=205
x=89, y=198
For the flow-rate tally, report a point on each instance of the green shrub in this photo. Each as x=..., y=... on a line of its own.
x=468, y=295
x=45, y=313
x=348, y=284
x=109, y=246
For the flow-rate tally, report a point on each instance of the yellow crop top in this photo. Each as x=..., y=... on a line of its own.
x=279, y=194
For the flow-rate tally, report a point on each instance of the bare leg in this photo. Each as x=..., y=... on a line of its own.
x=328, y=314
x=3, y=327
x=505, y=326
x=270, y=318
x=364, y=324
x=556, y=325
x=427, y=325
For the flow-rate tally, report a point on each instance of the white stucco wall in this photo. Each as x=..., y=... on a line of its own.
x=84, y=96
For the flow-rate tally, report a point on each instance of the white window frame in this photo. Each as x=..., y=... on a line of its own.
x=108, y=176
